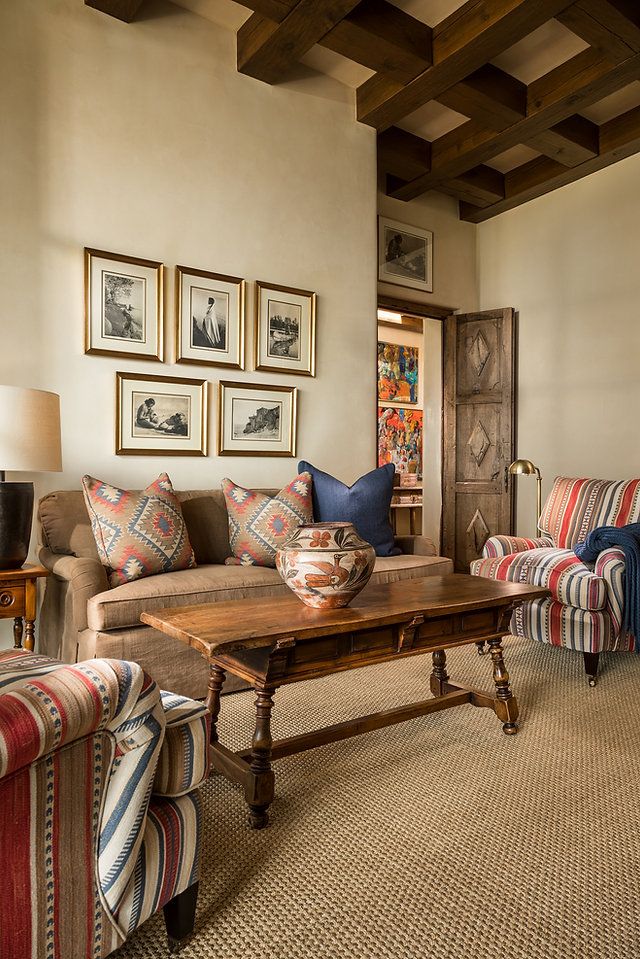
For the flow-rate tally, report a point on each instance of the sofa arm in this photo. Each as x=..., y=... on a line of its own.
x=86, y=578
x=506, y=545
x=184, y=758
x=416, y=545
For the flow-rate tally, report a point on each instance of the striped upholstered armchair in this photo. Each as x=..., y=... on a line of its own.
x=586, y=608
x=99, y=807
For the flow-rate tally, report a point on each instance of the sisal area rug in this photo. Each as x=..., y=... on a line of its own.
x=440, y=838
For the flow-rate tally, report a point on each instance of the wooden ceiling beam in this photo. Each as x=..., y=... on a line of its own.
x=383, y=38
x=267, y=49
x=375, y=34
x=403, y=154
x=610, y=26
x=490, y=96
x=462, y=43
x=497, y=100
x=619, y=138
x=483, y=186
x=583, y=80
x=124, y=10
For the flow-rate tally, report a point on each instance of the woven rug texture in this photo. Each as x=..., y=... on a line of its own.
x=439, y=838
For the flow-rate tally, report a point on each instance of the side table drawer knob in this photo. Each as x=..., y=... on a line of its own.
x=7, y=599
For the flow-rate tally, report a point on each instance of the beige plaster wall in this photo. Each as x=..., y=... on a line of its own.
x=144, y=139
x=568, y=262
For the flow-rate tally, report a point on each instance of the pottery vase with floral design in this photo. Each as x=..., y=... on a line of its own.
x=326, y=564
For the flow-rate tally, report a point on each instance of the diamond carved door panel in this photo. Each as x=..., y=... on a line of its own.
x=478, y=432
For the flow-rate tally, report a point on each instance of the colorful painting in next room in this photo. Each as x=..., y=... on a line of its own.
x=400, y=438
x=397, y=373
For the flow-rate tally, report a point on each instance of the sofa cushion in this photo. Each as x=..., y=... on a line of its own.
x=122, y=607
x=260, y=524
x=559, y=570
x=365, y=504
x=137, y=534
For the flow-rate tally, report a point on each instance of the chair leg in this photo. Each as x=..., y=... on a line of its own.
x=591, y=667
x=180, y=917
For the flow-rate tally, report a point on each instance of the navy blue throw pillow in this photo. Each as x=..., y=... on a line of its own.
x=365, y=504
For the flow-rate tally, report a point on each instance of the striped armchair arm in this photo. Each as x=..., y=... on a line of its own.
x=506, y=545
x=184, y=758
x=610, y=565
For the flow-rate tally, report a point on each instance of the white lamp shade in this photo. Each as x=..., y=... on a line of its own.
x=29, y=430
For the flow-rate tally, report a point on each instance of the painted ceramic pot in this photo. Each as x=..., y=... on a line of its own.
x=326, y=564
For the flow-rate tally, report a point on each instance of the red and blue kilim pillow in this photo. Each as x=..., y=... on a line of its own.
x=137, y=534
x=260, y=524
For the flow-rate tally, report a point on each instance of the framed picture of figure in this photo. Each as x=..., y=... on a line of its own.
x=405, y=255
x=256, y=419
x=160, y=415
x=123, y=305
x=285, y=334
x=210, y=318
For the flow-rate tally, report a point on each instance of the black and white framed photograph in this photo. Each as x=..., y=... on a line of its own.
x=256, y=419
x=160, y=415
x=405, y=255
x=210, y=318
x=123, y=305
x=285, y=330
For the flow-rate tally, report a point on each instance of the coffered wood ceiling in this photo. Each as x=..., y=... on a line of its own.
x=494, y=102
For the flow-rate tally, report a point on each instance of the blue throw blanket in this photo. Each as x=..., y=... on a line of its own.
x=626, y=538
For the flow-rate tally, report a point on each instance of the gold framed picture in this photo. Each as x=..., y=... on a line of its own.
x=160, y=415
x=256, y=419
x=285, y=330
x=210, y=318
x=123, y=305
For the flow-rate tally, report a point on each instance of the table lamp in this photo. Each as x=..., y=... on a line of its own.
x=527, y=468
x=29, y=442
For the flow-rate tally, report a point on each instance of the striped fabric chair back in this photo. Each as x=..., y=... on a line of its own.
x=576, y=506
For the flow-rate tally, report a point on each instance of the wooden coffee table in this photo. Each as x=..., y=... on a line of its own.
x=274, y=641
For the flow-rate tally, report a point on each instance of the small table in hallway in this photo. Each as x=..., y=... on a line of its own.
x=273, y=642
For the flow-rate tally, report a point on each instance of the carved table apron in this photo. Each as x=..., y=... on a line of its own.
x=278, y=640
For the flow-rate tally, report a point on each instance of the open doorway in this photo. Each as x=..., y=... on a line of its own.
x=409, y=412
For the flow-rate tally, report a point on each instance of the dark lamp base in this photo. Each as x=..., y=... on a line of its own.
x=16, y=514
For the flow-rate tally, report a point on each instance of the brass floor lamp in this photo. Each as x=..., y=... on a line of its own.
x=527, y=468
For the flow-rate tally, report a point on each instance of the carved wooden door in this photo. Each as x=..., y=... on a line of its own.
x=478, y=432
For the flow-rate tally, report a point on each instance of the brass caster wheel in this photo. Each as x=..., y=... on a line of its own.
x=509, y=729
x=593, y=681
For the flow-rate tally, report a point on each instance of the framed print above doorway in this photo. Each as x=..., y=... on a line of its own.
x=210, y=318
x=123, y=305
x=405, y=255
x=285, y=333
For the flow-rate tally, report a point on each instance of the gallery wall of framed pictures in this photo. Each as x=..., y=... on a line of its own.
x=168, y=415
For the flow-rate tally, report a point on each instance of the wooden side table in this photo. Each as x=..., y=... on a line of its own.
x=19, y=601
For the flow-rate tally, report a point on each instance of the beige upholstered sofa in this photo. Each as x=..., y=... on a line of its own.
x=82, y=618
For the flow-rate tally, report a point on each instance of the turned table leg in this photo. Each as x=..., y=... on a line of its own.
x=29, y=635
x=439, y=675
x=217, y=677
x=17, y=632
x=259, y=790
x=506, y=706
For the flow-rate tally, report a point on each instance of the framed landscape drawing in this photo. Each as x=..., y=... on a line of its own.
x=256, y=420
x=160, y=415
x=210, y=318
x=398, y=375
x=123, y=305
x=400, y=437
x=405, y=255
x=285, y=330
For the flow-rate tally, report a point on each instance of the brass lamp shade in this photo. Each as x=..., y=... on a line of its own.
x=527, y=468
x=29, y=442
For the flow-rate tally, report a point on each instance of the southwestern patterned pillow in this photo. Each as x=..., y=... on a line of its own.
x=260, y=524
x=137, y=534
